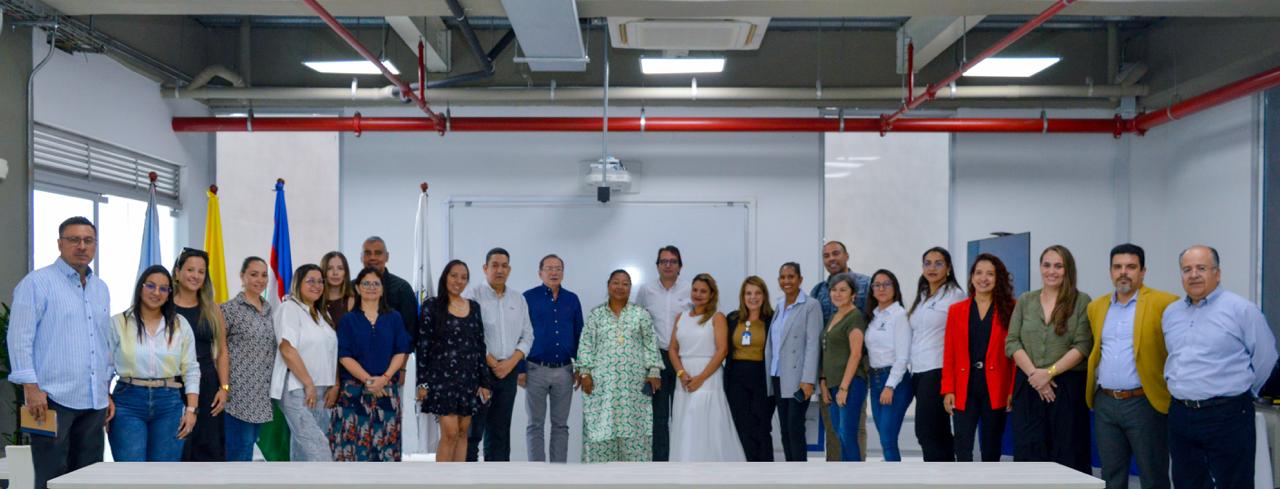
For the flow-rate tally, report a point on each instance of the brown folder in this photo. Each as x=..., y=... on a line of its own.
x=49, y=427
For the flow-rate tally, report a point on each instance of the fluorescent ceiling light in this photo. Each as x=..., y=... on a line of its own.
x=353, y=67
x=843, y=164
x=669, y=66
x=1011, y=67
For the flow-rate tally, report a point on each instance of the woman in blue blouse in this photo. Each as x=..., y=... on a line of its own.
x=152, y=346
x=372, y=347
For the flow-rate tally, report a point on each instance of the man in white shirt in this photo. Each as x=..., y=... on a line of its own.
x=664, y=299
x=508, y=335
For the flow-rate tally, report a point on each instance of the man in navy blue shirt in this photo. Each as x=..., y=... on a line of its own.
x=556, y=315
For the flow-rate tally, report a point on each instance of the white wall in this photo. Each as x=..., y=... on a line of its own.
x=94, y=96
x=782, y=173
x=248, y=165
x=887, y=199
x=1195, y=181
x=1057, y=186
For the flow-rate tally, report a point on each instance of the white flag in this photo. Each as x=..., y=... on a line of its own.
x=420, y=432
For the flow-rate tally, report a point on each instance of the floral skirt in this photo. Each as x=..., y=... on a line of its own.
x=365, y=428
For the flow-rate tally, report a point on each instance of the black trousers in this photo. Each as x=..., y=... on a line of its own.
x=978, y=415
x=493, y=422
x=206, y=442
x=1213, y=446
x=662, y=410
x=1055, y=431
x=791, y=422
x=933, y=425
x=78, y=445
x=751, y=408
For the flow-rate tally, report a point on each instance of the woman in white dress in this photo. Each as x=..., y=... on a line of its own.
x=702, y=427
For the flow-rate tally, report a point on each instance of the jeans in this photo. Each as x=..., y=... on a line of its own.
x=145, y=428
x=308, y=427
x=493, y=423
x=844, y=420
x=542, y=383
x=1213, y=446
x=889, y=417
x=240, y=437
x=78, y=444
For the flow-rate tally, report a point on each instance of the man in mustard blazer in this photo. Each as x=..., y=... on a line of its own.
x=1126, y=386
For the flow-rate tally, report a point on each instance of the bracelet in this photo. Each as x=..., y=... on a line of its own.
x=844, y=389
x=1053, y=370
x=191, y=409
x=680, y=374
x=226, y=387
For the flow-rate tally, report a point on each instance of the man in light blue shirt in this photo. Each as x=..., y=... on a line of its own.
x=58, y=352
x=1221, y=351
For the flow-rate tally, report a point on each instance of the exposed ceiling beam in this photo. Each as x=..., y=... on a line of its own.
x=931, y=36
x=684, y=8
x=433, y=35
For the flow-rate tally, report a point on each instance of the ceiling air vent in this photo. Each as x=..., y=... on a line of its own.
x=740, y=33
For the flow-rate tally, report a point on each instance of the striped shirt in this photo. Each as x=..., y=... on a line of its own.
x=58, y=333
x=155, y=356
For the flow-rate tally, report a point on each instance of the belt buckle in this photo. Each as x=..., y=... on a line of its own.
x=977, y=365
x=1119, y=395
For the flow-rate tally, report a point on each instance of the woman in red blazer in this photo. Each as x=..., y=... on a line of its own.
x=977, y=377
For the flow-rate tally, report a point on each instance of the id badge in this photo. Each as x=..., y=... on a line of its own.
x=746, y=338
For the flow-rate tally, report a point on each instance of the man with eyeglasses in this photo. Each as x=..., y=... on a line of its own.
x=1125, y=386
x=556, y=315
x=508, y=334
x=58, y=352
x=399, y=293
x=835, y=258
x=1221, y=351
x=664, y=298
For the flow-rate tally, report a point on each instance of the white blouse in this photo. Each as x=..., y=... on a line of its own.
x=315, y=341
x=889, y=341
x=929, y=327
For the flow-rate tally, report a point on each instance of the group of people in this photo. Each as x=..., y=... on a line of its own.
x=665, y=376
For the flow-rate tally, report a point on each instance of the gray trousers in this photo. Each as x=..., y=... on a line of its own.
x=540, y=383
x=308, y=428
x=1131, y=427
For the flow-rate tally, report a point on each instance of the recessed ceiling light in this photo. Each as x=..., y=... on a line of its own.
x=1011, y=67
x=670, y=66
x=352, y=67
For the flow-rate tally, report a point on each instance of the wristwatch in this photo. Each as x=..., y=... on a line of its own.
x=368, y=381
x=226, y=387
x=191, y=409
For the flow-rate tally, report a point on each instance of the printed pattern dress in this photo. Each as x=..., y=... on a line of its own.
x=619, y=352
x=451, y=360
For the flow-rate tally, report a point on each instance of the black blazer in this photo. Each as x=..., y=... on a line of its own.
x=732, y=319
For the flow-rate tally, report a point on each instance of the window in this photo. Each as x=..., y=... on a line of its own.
x=119, y=221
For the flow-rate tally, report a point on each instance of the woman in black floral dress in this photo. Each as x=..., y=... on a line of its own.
x=451, y=364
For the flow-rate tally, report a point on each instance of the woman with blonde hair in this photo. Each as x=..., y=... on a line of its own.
x=701, y=423
x=193, y=300
x=744, y=373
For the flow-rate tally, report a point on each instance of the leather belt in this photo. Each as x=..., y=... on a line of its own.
x=1212, y=401
x=1122, y=394
x=550, y=364
x=152, y=383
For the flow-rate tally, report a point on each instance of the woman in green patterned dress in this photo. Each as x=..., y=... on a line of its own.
x=617, y=359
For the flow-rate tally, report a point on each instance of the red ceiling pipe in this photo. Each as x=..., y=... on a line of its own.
x=651, y=124
x=1256, y=83
x=932, y=89
x=364, y=52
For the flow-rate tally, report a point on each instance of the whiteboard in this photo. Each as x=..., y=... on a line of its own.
x=594, y=239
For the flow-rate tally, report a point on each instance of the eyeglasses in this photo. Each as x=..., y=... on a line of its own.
x=668, y=262
x=370, y=285
x=882, y=285
x=553, y=269
x=935, y=264
x=1198, y=269
x=77, y=241
x=151, y=287
x=313, y=282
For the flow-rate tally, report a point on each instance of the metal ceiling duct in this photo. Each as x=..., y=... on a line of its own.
x=549, y=34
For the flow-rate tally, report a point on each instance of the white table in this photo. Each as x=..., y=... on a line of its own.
x=824, y=475
x=4, y=469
